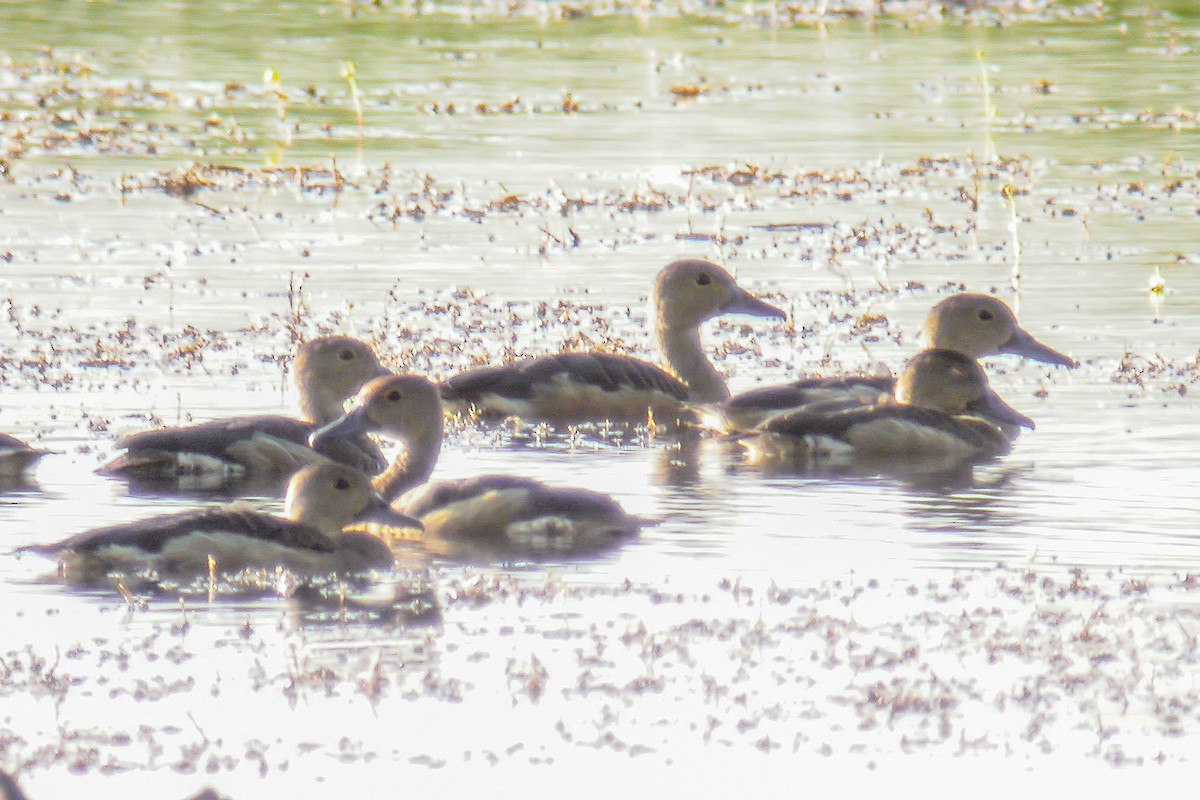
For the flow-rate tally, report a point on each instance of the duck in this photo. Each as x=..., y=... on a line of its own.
x=9, y=788
x=16, y=457
x=322, y=500
x=328, y=371
x=943, y=413
x=576, y=387
x=487, y=516
x=976, y=325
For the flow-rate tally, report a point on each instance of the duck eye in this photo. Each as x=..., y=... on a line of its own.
x=703, y=279
x=985, y=315
x=341, y=484
x=394, y=395
x=346, y=355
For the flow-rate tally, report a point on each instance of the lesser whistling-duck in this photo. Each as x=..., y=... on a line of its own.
x=594, y=387
x=943, y=410
x=16, y=457
x=327, y=371
x=491, y=516
x=322, y=499
x=976, y=325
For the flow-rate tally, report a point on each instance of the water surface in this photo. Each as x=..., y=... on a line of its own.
x=518, y=180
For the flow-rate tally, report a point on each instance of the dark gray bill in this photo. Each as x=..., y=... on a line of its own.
x=381, y=514
x=1022, y=344
x=745, y=303
x=990, y=406
x=352, y=423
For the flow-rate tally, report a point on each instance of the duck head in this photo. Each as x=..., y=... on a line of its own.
x=329, y=497
x=948, y=381
x=404, y=407
x=980, y=325
x=329, y=370
x=690, y=292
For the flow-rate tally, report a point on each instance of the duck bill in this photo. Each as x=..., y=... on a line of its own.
x=745, y=303
x=1022, y=344
x=352, y=423
x=380, y=515
x=995, y=409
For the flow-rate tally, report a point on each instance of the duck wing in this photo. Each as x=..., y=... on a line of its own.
x=892, y=430
x=263, y=443
x=216, y=437
x=540, y=499
x=866, y=390
x=520, y=380
x=509, y=516
x=152, y=535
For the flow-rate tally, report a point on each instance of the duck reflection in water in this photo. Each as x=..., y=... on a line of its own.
x=407, y=599
x=977, y=523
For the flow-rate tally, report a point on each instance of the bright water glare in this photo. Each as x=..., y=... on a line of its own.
x=173, y=219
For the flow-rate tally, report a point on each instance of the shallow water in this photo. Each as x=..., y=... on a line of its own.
x=842, y=168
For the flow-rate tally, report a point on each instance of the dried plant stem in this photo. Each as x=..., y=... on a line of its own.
x=989, y=110
x=350, y=74
x=1010, y=197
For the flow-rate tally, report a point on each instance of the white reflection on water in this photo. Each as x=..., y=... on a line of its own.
x=903, y=648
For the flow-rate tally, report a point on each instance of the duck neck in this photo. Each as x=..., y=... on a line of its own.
x=412, y=467
x=317, y=408
x=686, y=360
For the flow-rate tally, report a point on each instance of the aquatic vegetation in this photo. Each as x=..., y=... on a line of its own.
x=526, y=168
x=350, y=76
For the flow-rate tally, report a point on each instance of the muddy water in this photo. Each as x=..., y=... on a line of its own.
x=171, y=225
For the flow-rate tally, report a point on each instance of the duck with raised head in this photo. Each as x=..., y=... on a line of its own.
x=327, y=372
x=16, y=457
x=489, y=516
x=322, y=500
x=943, y=412
x=976, y=325
x=571, y=388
